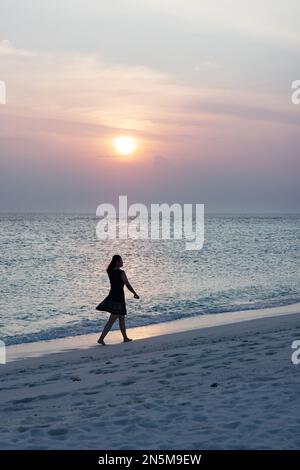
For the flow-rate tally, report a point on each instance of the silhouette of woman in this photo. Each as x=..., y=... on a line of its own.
x=114, y=303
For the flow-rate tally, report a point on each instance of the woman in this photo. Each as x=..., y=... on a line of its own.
x=114, y=303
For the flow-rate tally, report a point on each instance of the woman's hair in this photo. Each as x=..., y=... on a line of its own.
x=115, y=259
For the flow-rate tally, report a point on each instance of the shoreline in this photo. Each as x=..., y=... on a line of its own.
x=82, y=342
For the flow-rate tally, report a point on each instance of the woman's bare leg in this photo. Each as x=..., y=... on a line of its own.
x=107, y=328
x=123, y=328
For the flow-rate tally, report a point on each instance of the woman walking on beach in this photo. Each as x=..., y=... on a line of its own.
x=114, y=303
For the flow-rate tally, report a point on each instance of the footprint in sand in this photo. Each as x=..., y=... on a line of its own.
x=22, y=429
x=128, y=382
x=58, y=432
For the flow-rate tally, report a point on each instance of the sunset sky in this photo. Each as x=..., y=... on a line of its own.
x=202, y=87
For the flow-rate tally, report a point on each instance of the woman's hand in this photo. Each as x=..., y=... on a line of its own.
x=136, y=296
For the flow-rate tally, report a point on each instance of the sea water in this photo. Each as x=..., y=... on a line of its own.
x=53, y=272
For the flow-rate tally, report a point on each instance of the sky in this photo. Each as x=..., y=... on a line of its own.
x=203, y=87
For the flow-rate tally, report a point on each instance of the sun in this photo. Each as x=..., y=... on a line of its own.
x=125, y=145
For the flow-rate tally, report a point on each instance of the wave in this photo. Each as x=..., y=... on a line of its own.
x=93, y=326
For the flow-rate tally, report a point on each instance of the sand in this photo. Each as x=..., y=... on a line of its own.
x=217, y=386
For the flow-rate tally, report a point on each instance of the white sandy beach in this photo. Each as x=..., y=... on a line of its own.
x=228, y=383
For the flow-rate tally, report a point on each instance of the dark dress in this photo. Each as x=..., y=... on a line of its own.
x=115, y=301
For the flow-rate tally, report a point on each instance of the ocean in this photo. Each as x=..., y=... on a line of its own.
x=53, y=272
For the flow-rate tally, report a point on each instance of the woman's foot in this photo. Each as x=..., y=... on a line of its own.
x=127, y=340
x=101, y=341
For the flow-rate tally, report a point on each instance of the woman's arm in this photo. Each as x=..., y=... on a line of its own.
x=128, y=285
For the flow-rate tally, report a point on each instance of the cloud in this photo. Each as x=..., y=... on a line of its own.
x=261, y=21
x=79, y=93
x=245, y=111
x=210, y=137
x=160, y=159
x=7, y=49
